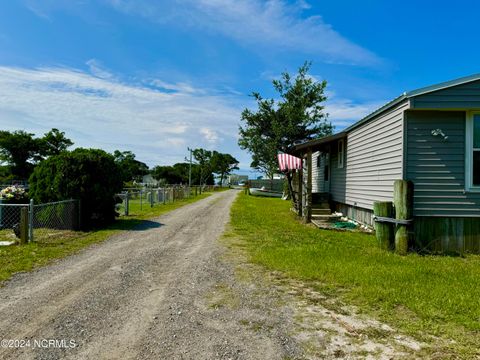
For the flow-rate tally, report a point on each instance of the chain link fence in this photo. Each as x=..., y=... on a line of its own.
x=42, y=222
x=11, y=220
x=141, y=199
x=56, y=219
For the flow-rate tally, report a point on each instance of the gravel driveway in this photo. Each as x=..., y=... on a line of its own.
x=171, y=290
x=146, y=293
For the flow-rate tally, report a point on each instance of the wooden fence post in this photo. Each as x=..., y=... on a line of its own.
x=403, y=200
x=384, y=231
x=23, y=225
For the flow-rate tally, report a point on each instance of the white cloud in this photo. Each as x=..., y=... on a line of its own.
x=260, y=24
x=344, y=112
x=103, y=112
x=209, y=135
x=97, y=69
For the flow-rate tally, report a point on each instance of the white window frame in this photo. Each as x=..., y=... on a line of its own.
x=340, y=153
x=469, y=149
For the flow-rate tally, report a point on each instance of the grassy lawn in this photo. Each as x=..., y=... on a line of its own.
x=433, y=298
x=15, y=259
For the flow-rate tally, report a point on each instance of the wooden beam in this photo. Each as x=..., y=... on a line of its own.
x=403, y=200
x=308, y=200
x=384, y=231
x=300, y=192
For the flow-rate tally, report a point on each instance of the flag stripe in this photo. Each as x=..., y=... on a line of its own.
x=288, y=162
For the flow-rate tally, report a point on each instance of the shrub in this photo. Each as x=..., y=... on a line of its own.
x=89, y=175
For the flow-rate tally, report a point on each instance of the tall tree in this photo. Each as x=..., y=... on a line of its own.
x=223, y=164
x=178, y=174
x=20, y=150
x=204, y=161
x=278, y=125
x=131, y=168
x=54, y=142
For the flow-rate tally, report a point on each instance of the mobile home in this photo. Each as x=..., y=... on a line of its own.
x=430, y=136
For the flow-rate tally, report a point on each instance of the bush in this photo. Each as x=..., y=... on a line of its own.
x=89, y=175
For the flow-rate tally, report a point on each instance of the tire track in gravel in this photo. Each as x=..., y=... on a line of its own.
x=134, y=296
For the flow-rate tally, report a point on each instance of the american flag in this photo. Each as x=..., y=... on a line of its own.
x=289, y=162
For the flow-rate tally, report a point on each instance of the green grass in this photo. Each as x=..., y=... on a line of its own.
x=14, y=259
x=423, y=296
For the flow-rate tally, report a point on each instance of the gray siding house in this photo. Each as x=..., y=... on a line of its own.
x=430, y=136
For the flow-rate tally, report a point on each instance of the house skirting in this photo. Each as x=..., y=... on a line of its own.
x=447, y=234
x=361, y=215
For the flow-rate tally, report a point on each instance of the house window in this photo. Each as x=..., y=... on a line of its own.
x=341, y=151
x=473, y=152
x=319, y=159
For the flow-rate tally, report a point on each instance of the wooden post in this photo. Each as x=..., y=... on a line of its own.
x=23, y=225
x=308, y=200
x=403, y=200
x=300, y=191
x=384, y=231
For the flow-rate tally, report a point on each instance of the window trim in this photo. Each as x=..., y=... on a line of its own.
x=340, y=153
x=469, y=152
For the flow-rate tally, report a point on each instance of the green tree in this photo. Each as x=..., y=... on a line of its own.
x=90, y=175
x=278, y=125
x=178, y=174
x=223, y=164
x=203, y=158
x=131, y=168
x=20, y=150
x=54, y=142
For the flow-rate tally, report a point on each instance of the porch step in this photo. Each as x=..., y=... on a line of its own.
x=323, y=205
x=325, y=218
x=321, y=211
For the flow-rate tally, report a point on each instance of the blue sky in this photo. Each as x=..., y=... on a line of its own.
x=156, y=77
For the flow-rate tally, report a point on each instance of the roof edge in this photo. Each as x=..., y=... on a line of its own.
x=320, y=141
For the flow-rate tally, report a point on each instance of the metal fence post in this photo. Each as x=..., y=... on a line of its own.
x=30, y=221
x=127, y=203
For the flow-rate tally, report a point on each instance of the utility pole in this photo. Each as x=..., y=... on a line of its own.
x=190, y=170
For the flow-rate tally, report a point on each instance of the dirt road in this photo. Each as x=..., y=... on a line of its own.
x=171, y=290
x=146, y=293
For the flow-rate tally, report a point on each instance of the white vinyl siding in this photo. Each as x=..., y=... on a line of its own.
x=318, y=172
x=374, y=158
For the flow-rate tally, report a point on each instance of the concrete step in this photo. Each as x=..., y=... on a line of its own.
x=326, y=218
x=316, y=211
x=324, y=205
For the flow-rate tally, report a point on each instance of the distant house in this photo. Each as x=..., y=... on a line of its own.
x=235, y=179
x=430, y=136
x=149, y=180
